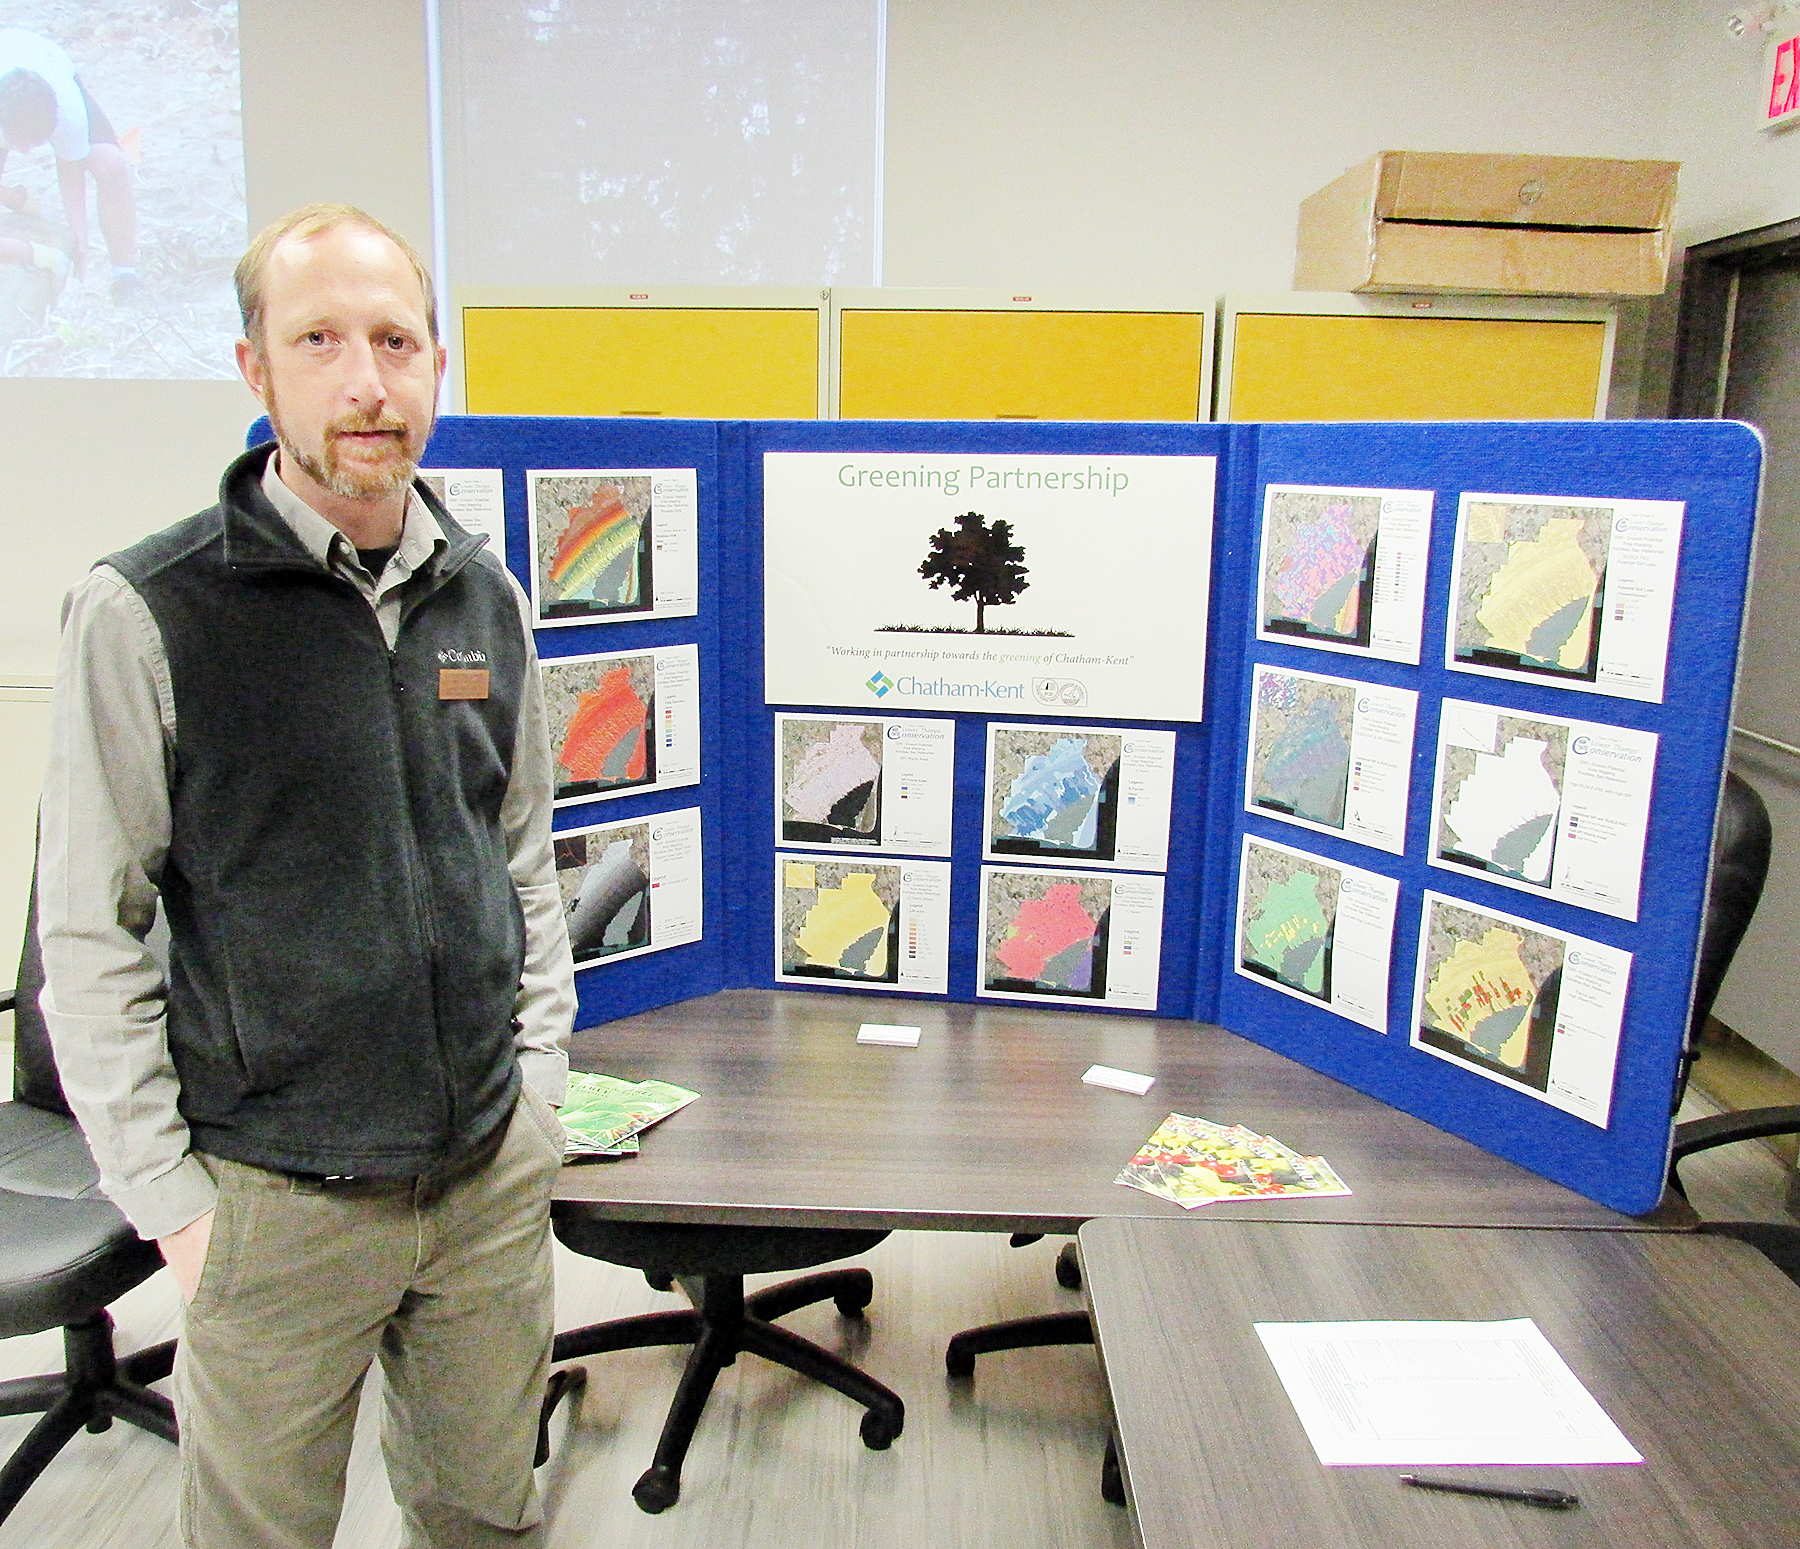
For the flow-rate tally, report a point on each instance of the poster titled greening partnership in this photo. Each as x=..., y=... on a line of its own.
x=996, y=584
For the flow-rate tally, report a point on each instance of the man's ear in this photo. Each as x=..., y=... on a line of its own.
x=254, y=369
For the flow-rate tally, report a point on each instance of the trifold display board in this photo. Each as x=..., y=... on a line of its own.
x=1395, y=748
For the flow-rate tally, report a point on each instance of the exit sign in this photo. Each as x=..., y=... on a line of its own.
x=1781, y=79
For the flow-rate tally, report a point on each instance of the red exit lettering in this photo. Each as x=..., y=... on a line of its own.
x=1784, y=79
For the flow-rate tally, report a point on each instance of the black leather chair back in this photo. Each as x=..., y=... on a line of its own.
x=34, y=1067
x=1741, y=845
x=1742, y=840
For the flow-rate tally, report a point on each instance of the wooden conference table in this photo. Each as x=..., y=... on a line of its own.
x=1688, y=1343
x=986, y=1126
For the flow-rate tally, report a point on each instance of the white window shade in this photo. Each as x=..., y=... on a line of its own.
x=674, y=142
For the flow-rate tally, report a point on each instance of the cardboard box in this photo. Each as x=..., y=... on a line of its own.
x=1508, y=225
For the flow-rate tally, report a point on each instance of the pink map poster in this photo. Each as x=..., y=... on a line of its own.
x=1070, y=937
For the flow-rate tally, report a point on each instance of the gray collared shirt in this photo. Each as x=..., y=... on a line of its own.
x=104, y=828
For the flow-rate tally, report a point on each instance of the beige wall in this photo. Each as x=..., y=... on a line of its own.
x=334, y=108
x=1170, y=142
x=1738, y=178
x=1735, y=176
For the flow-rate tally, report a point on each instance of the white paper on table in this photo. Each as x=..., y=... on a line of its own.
x=1119, y=1080
x=1387, y=1394
x=889, y=1033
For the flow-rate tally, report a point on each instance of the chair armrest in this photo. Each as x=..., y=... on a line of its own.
x=8, y=999
x=1722, y=1129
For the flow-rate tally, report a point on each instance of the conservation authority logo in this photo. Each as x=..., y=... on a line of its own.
x=880, y=685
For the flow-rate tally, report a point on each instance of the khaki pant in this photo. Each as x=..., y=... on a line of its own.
x=447, y=1281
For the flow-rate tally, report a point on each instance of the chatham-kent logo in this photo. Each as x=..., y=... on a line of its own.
x=461, y=658
x=880, y=685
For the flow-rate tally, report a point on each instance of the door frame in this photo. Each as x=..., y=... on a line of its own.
x=1708, y=317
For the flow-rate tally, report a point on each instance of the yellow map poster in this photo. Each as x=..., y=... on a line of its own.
x=1532, y=1008
x=1573, y=591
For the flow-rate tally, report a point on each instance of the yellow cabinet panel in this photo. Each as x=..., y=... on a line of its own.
x=1317, y=367
x=687, y=362
x=942, y=364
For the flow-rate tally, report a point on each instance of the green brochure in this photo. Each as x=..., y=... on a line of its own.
x=603, y=1115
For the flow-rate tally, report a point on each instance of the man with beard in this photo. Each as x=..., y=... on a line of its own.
x=308, y=722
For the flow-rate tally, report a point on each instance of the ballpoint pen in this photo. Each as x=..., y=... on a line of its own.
x=1555, y=1500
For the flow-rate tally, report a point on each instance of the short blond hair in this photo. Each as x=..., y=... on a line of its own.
x=312, y=220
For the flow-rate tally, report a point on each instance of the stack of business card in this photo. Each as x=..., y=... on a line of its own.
x=1197, y=1162
x=602, y=1116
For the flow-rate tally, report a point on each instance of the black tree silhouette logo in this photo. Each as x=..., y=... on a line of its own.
x=979, y=562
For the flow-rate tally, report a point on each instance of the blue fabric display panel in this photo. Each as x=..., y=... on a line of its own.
x=752, y=884
x=1713, y=469
x=1504, y=959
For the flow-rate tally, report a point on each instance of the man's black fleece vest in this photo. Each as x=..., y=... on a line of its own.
x=347, y=940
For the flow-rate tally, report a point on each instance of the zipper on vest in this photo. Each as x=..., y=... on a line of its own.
x=420, y=888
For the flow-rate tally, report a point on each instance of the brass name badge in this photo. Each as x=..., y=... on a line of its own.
x=462, y=683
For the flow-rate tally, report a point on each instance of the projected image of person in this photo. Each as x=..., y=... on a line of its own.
x=121, y=188
x=43, y=102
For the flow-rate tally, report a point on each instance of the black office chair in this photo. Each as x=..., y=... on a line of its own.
x=66, y=1253
x=710, y=1263
x=1741, y=847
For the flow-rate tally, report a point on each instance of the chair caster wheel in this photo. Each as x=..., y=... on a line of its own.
x=1068, y=1268
x=958, y=1362
x=849, y=1307
x=658, y=1490
x=877, y=1434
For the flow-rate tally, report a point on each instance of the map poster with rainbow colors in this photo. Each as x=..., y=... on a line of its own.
x=1315, y=929
x=1532, y=1008
x=1344, y=569
x=1070, y=938
x=863, y=924
x=614, y=544
x=1565, y=590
